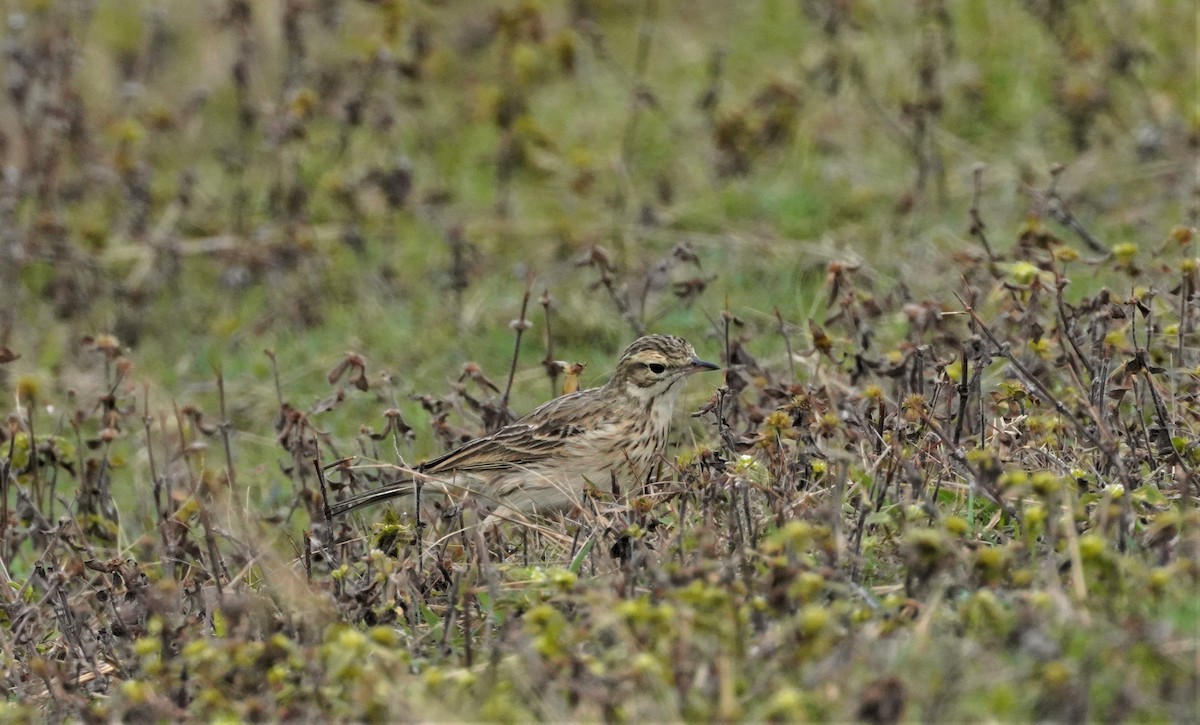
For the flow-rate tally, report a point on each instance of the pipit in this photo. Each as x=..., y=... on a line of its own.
x=544, y=461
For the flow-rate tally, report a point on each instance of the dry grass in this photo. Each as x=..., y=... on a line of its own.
x=950, y=473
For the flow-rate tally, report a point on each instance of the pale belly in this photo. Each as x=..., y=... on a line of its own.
x=563, y=489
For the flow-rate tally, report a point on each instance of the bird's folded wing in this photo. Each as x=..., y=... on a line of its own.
x=549, y=430
x=516, y=445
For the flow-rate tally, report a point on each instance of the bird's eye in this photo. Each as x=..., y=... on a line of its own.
x=656, y=368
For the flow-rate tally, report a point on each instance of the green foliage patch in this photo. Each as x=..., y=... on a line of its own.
x=251, y=251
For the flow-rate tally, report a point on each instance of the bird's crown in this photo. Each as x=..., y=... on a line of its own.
x=659, y=348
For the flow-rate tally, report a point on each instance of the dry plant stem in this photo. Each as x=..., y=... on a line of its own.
x=466, y=605
x=856, y=549
x=726, y=319
x=102, y=478
x=737, y=541
x=575, y=543
x=548, y=361
x=1078, y=583
x=485, y=572
x=157, y=482
x=1160, y=409
x=978, y=229
x=327, y=537
x=4, y=473
x=1097, y=392
x=1065, y=331
x=462, y=534
x=971, y=384
x=524, y=546
x=1185, y=294
x=419, y=536
x=1140, y=418
x=751, y=525
x=1133, y=318
x=308, y=556
x=880, y=424
x=68, y=625
x=835, y=515
x=35, y=470
x=621, y=303
x=787, y=344
x=205, y=520
x=1107, y=446
x=210, y=541
x=982, y=410
x=1058, y=211
x=459, y=269
x=224, y=426
x=53, y=489
x=8, y=594
x=400, y=462
x=520, y=326
x=448, y=621
x=1160, y=412
x=275, y=376
x=183, y=453
x=316, y=462
x=964, y=396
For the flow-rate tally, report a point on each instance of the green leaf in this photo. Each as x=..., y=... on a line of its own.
x=577, y=562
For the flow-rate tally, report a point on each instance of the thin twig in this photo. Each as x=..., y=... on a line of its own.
x=548, y=362
x=224, y=427
x=520, y=325
x=1185, y=294
x=157, y=481
x=4, y=471
x=787, y=343
x=1064, y=327
x=978, y=229
x=1058, y=211
x=275, y=374
x=964, y=395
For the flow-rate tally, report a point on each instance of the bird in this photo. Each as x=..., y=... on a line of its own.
x=543, y=461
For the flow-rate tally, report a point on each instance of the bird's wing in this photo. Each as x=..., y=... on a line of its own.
x=542, y=433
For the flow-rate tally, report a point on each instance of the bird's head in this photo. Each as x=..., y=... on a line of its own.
x=653, y=366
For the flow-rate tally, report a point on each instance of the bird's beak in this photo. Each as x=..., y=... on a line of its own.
x=698, y=366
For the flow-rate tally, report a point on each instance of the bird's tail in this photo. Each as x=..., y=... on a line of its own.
x=368, y=498
x=432, y=488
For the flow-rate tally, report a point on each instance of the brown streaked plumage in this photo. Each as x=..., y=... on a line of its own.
x=542, y=461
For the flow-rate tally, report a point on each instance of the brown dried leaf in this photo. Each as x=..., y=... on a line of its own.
x=821, y=341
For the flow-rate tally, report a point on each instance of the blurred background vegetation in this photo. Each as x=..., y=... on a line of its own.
x=208, y=179
x=236, y=187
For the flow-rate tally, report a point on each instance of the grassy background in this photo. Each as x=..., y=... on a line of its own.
x=205, y=181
